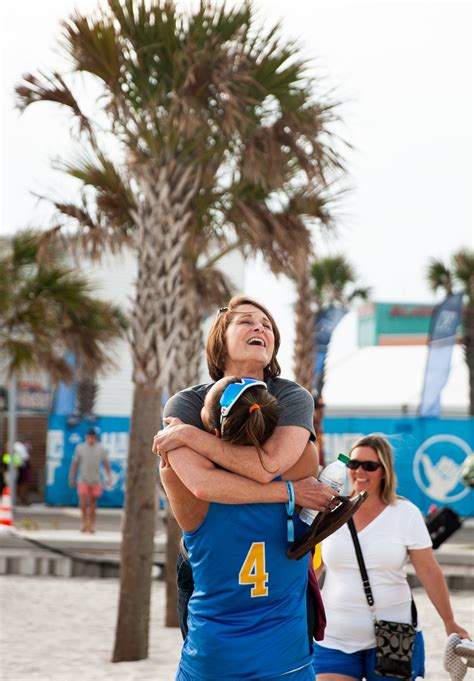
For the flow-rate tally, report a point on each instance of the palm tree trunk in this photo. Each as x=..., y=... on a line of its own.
x=186, y=374
x=468, y=341
x=304, y=352
x=131, y=641
x=158, y=315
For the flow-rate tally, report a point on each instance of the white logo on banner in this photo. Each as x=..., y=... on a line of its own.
x=55, y=453
x=440, y=478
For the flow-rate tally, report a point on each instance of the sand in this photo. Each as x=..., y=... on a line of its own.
x=55, y=629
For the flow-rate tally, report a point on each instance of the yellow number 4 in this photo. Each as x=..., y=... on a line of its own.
x=253, y=570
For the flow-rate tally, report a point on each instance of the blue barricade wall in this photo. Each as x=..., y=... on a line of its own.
x=429, y=455
x=62, y=439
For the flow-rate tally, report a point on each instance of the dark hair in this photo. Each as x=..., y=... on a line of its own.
x=216, y=346
x=244, y=427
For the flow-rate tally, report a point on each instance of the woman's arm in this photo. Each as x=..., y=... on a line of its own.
x=283, y=449
x=429, y=573
x=208, y=483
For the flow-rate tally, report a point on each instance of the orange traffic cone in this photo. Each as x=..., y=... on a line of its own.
x=6, y=515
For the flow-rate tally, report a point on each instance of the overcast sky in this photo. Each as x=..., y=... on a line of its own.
x=404, y=70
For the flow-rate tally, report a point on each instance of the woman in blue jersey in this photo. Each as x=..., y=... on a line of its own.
x=247, y=615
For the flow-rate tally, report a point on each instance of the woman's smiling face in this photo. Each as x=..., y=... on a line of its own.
x=249, y=339
x=366, y=480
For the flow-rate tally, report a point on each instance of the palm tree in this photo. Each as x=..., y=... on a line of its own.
x=331, y=281
x=221, y=144
x=458, y=276
x=47, y=310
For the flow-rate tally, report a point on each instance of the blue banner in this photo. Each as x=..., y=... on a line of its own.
x=444, y=323
x=62, y=440
x=326, y=321
x=429, y=455
x=65, y=395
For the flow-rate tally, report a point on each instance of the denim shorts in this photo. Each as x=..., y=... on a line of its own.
x=361, y=664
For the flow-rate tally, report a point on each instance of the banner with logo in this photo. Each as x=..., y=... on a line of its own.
x=429, y=455
x=63, y=436
x=326, y=321
x=444, y=323
x=65, y=394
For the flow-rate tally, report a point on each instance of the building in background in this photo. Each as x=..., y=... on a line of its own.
x=394, y=324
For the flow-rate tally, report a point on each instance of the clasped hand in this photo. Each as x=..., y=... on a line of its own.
x=315, y=495
x=169, y=438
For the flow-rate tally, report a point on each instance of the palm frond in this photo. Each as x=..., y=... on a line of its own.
x=439, y=276
x=50, y=88
x=92, y=44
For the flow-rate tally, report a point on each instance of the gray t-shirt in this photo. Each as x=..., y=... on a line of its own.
x=296, y=404
x=89, y=458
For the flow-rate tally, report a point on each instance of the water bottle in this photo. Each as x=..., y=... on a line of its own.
x=333, y=475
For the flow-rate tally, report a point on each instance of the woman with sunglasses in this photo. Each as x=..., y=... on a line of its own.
x=390, y=530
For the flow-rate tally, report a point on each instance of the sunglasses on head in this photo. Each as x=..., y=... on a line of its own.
x=369, y=466
x=232, y=393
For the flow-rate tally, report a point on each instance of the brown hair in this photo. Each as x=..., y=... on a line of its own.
x=242, y=426
x=216, y=350
x=384, y=451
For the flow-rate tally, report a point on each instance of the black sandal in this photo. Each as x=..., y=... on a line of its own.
x=325, y=523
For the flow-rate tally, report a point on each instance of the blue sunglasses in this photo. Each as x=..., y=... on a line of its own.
x=232, y=393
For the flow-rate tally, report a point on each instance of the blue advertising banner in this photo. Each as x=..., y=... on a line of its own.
x=444, y=323
x=326, y=321
x=429, y=455
x=62, y=440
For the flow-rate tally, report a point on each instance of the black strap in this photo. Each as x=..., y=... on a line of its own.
x=360, y=560
x=365, y=577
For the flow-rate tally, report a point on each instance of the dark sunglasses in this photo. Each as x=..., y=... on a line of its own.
x=369, y=466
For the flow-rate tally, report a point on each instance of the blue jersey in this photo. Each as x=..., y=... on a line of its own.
x=247, y=614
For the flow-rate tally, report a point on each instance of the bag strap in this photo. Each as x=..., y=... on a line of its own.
x=360, y=559
x=365, y=577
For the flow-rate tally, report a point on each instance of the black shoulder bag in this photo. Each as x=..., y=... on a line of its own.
x=394, y=640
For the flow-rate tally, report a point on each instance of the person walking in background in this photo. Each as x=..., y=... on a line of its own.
x=390, y=530
x=23, y=449
x=87, y=460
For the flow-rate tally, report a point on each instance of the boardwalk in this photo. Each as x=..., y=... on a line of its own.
x=54, y=629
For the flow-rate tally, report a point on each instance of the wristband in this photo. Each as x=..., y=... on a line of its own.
x=290, y=509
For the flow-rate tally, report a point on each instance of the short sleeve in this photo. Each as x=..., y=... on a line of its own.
x=186, y=405
x=77, y=454
x=104, y=455
x=296, y=405
x=418, y=536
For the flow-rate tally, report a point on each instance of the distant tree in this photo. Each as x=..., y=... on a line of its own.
x=331, y=281
x=223, y=144
x=458, y=276
x=47, y=310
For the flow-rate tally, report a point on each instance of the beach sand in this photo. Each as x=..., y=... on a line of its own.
x=55, y=629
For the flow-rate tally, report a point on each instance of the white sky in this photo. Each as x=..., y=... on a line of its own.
x=404, y=70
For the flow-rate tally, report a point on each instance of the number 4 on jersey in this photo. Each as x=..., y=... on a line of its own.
x=253, y=570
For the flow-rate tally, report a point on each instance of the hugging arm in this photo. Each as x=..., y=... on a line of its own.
x=208, y=483
x=282, y=449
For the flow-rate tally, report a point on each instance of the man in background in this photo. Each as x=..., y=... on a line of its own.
x=88, y=458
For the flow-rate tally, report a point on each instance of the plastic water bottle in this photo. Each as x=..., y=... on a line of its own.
x=333, y=475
